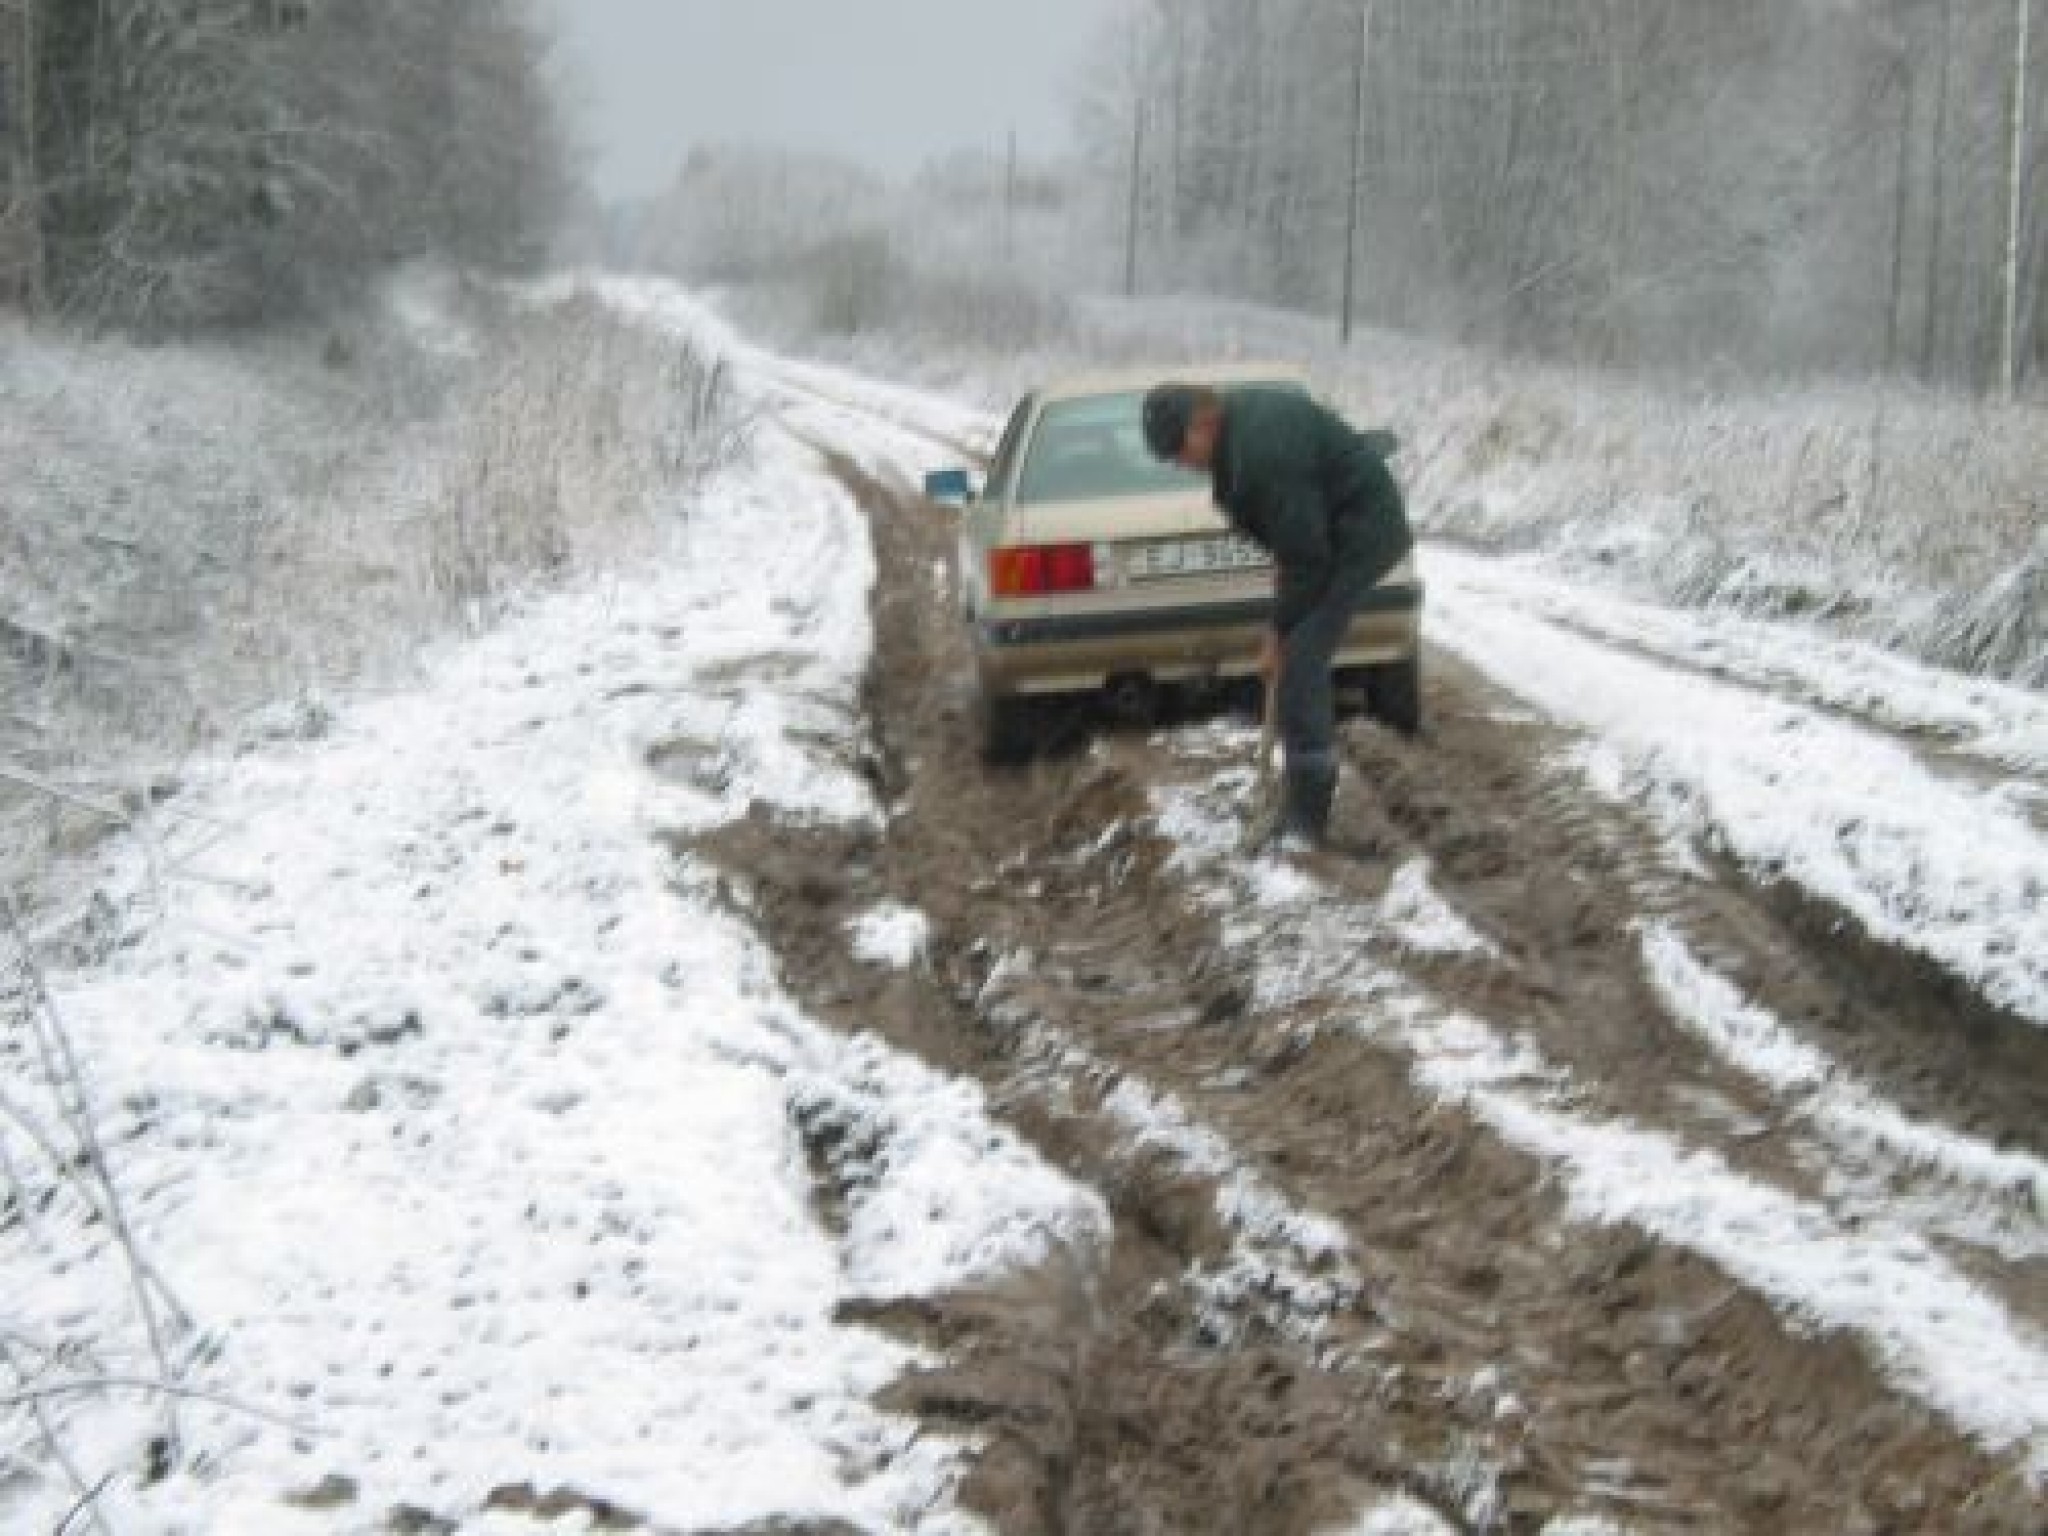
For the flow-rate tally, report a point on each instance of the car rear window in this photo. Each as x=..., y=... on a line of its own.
x=1094, y=446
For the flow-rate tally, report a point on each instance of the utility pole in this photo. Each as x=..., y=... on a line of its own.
x=1010, y=200
x=1625, y=61
x=1131, y=218
x=1177, y=151
x=1937, y=218
x=2016, y=169
x=1902, y=79
x=1360, y=67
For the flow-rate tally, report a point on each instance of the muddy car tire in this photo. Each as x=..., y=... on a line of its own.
x=1012, y=730
x=1393, y=694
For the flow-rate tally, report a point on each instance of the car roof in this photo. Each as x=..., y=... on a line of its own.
x=1119, y=380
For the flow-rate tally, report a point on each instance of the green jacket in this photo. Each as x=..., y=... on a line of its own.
x=1315, y=495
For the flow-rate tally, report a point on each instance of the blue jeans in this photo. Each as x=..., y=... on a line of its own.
x=1308, y=693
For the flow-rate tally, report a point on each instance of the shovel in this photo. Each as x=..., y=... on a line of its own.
x=1262, y=817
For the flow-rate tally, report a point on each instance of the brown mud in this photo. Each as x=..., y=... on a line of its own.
x=1472, y=1346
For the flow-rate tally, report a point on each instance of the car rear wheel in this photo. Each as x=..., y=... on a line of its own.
x=1393, y=694
x=1012, y=730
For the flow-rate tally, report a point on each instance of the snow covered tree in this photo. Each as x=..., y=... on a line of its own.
x=1792, y=184
x=221, y=160
x=21, y=262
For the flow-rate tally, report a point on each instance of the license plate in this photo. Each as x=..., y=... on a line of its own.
x=1193, y=557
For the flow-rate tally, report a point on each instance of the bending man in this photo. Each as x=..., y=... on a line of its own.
x=1316, y=496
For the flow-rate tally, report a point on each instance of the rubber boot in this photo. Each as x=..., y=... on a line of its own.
x=1307, y=816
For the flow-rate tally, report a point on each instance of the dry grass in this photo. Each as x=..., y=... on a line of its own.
x=1905, y=518
x=212, y=541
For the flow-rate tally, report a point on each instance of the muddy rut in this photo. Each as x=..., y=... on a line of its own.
x=1327, y=1284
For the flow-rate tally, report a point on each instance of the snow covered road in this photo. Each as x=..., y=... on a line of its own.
x=1901, y=799
x=651, y=1074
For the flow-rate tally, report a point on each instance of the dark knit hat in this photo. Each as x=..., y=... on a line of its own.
x=1168, y=410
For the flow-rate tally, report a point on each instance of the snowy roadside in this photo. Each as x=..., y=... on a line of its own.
x=206, y=539
x=888, y=429
x=1943, y=865
x=1996, y=725
x=461, y=1113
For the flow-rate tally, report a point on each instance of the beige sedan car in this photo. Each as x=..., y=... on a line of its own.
x=1087, y=567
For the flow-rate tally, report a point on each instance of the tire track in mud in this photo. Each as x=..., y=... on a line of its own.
x=1490, y=801
x=1325, y=1284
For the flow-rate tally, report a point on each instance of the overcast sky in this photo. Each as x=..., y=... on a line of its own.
x=889, y=82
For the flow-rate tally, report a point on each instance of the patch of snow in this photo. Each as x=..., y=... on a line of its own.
x=2000, y=723
x=932, y=419
x=937, y=1194
x=1708, y=1007
x=891, y=935
x=1291, y=1265
x=1288, y=1266
x=1423, y=920
x=1399, y=1516
x=1974, y=1191
x=655, y=302
x=1276, y=882
x=892, y=432
x=421, y=300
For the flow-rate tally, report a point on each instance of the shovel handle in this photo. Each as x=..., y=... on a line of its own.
x=1270, y=663
x=1262, y=819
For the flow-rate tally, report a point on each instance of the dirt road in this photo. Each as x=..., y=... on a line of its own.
x=1324, y=1101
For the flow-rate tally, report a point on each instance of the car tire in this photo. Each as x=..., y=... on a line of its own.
x=1012, y=730
x=1393, y=694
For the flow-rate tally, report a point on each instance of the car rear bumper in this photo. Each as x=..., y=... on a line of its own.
x=1079, y=652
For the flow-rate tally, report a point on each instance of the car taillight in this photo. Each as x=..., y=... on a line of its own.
x=1038, y=568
